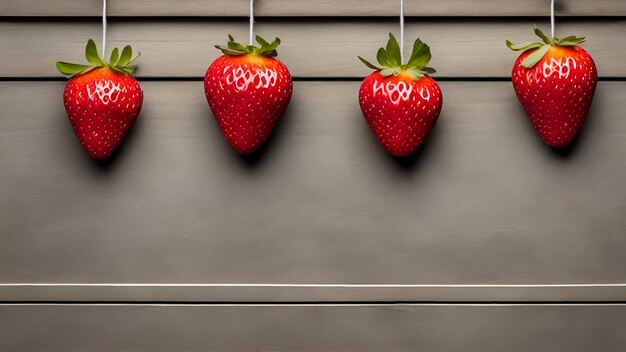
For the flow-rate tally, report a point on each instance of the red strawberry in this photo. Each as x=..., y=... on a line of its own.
x=555, y=81
x=400, y=102
x=248, y=90
x=102, y=100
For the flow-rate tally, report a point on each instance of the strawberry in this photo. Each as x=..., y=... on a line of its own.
x=248, y=90
x=102, y=100
x=399, y=101
x=555, y=81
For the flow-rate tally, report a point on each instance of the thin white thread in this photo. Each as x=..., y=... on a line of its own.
x=402, y=31
x=251, y=21
x=104, y=27
x=552, y=17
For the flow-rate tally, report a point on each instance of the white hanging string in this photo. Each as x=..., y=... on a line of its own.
x=251, y=21
x=552, y=17
x=402, y=31
x=104, y=27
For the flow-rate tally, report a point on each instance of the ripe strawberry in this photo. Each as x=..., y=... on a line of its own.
x=400, y=102
x=248, y=90
x=555, y=81
x=102, y=100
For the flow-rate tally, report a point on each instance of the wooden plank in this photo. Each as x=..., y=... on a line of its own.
x=177, y=48
x=311, y=8
x=471, y=328
x=485, y=202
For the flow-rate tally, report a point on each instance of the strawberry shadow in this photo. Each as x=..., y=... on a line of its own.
x=569, y=151
x=411, y=162
x=255, y=158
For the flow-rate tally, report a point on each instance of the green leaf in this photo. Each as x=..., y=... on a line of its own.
x=388, y=71
x=540, y=34
x=428, y=70
x=571, y=41
x=230, y=52
x=125, y=69
x=262, y=41
x=265, y=48
x=270, y=47
x=91, y=53
x=276, y=42
x=420, y=55
x=235, y=46
x=393, y=51
x=127, y=53
x=117, y=69
x=136, y=57
x=128, y=69
x=70, y=69
x=568, y=38
x=114, y=57
x=523, y=46
x=368, y=64
x=533, y=58
x=381, y=57
x=414, y=73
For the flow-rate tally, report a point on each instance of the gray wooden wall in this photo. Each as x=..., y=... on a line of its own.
x=486, y=240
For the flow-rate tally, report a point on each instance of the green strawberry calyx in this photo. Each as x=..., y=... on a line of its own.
x=264, y=48
x=543, y=46
x=390, y=60
x=119, y=61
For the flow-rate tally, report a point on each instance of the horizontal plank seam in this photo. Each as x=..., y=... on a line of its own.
x=28, y=284
x=312, y=304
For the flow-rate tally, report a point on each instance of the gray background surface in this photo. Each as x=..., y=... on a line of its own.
x=321, y=241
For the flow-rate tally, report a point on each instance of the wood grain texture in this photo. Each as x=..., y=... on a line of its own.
x=485, y=202
x=475, y=328
x=328, y=48
x=311, y=8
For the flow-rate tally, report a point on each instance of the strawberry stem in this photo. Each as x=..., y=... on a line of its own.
x=391, y=63
x=118, y=62
x=542, y=48
x=264, y=48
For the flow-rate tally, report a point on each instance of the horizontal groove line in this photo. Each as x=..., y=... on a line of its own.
x=313, y=303
x=322, y=18
x=311, y=285
x=295, y=79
